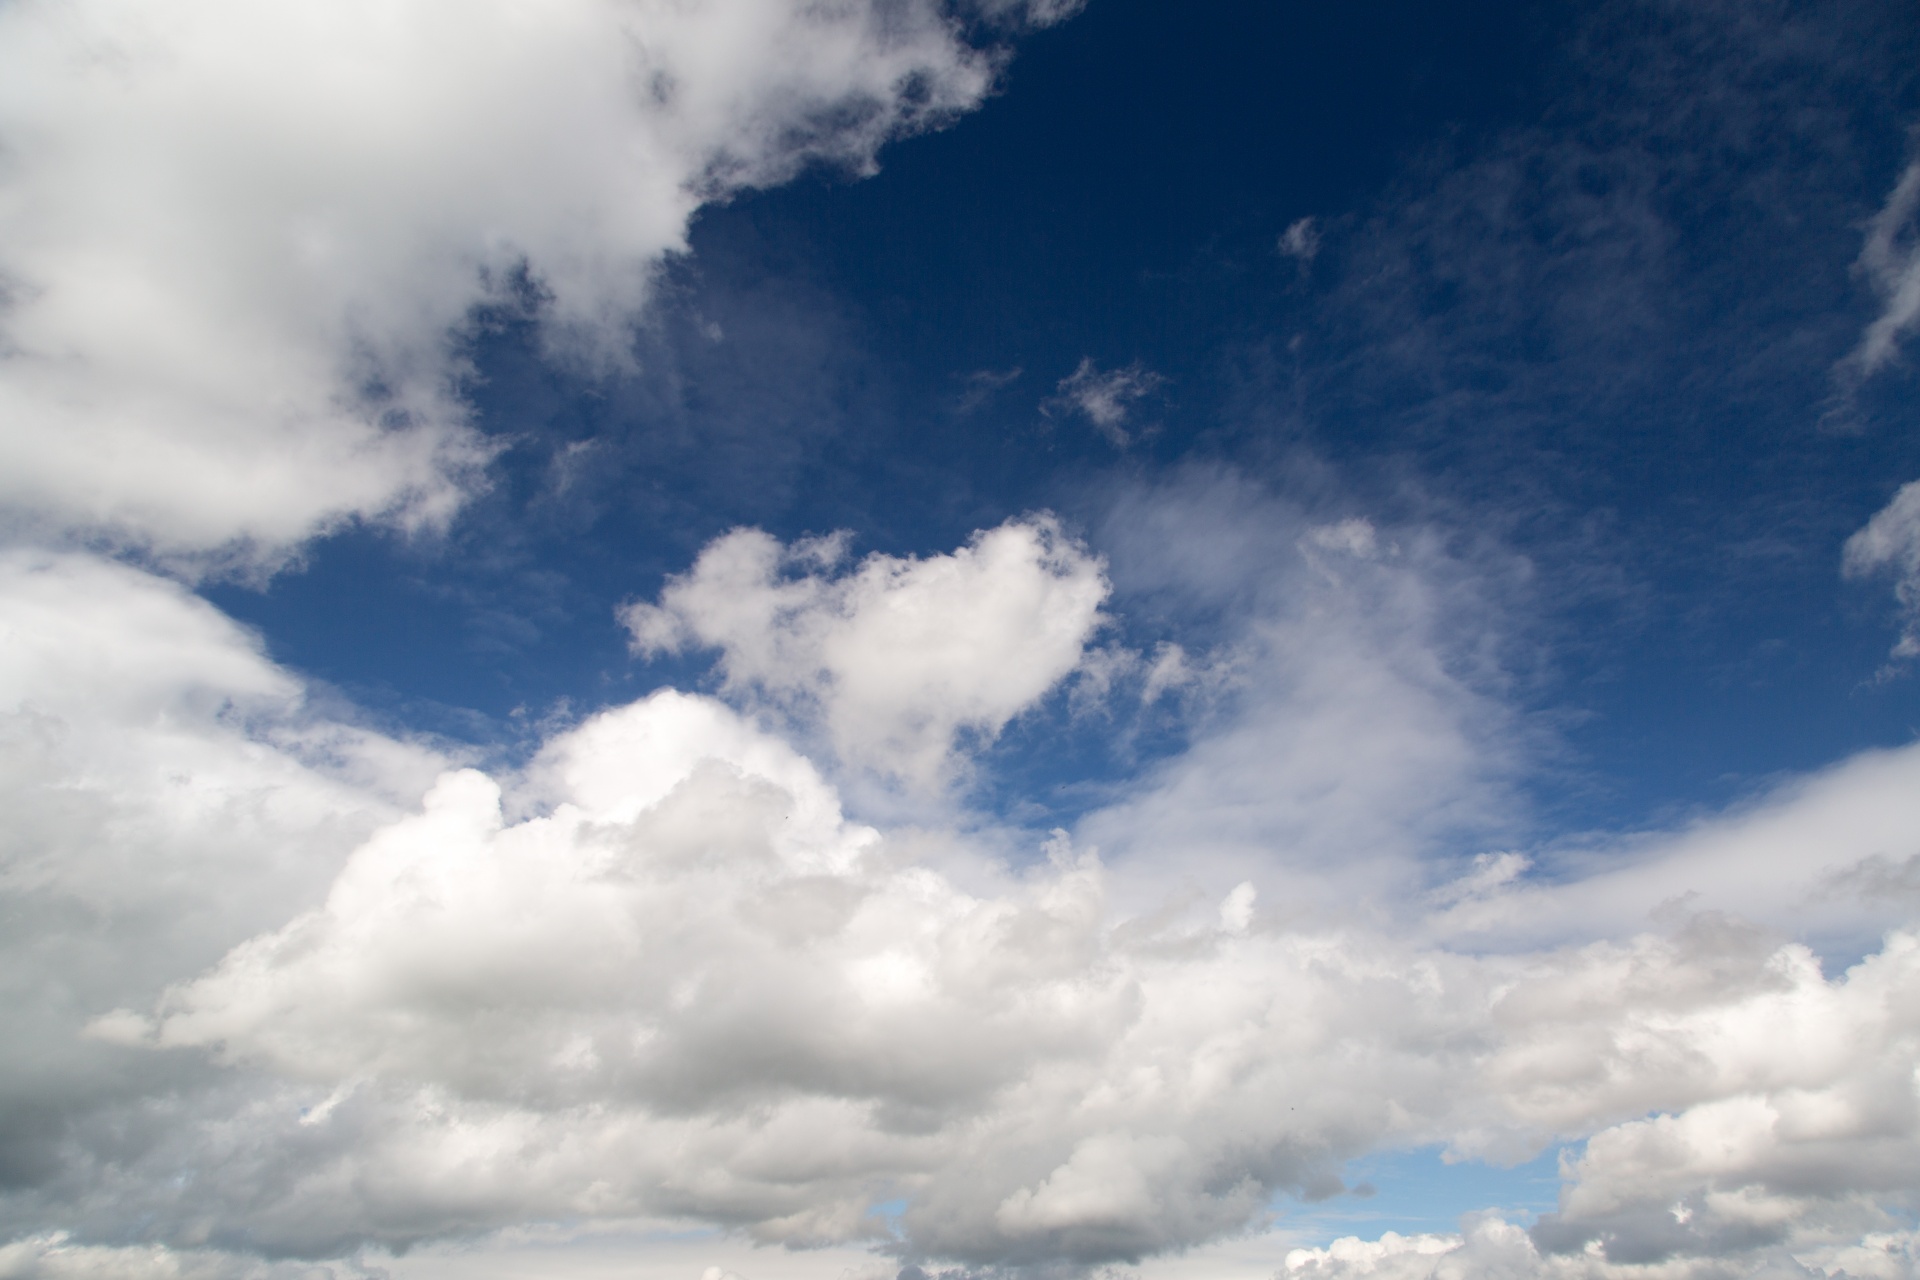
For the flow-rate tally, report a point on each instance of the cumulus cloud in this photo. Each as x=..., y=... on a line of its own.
x=695, y=988
x=1890, y=545
x=239, y=243
x=897, y=657
x=169, y=792
x=1105, y=399
x=661, y=972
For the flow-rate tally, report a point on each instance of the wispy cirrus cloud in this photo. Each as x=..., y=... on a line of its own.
x=1104, y=397
x=1890, y=263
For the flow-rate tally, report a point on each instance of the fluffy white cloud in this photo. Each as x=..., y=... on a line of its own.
x=683, y=984
x=1890, y=544
x=897, y=657
x=169, y=792
x=239, y=242
x=694, y=988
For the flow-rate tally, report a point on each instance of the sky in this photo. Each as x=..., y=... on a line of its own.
x=959, y=640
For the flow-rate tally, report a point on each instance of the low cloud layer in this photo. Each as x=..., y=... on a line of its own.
x=240, y=244
x=688, y=986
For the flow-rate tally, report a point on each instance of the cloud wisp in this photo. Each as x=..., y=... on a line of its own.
x=1104, y=398
x=1890, y=263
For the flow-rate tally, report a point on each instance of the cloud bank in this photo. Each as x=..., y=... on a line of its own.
x=686, y=985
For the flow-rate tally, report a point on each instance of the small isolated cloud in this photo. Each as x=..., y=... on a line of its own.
x=896, y=657
x=981, y=386
x=1105, y=399
x=1890, y=262
x=1301, y=241
x=1890, y=545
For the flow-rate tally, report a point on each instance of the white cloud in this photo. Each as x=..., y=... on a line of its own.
x=705, y=993
x=1890, y=260
x=897, y=657
x=1890, y=544
x=1830, y=857
x=169, y=792
x=1105, y=399
x=239, y=242
x=686, y=986
x=58, y=1257
x=1363, y=737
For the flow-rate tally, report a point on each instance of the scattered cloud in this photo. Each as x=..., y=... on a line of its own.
x=1890, y=545
x=1301, y=241
x=981, y=386
x=1105, y=399
x=1890, y=262
x=895, y=657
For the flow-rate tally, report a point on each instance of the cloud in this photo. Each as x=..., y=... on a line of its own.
x=169, y=792
x=240, y=245
x=1890, y=261
x=1828, y=855
x=1105, y=399
x=661, y=973
x=58, y=1257
x=895, y=657
x=1331, y=631
x=981, y=386
x=1890, y=544
x=694, y=988
x=1301, y=241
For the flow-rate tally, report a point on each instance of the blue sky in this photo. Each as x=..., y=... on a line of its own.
x=1604, y=344
x=1009, y=638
